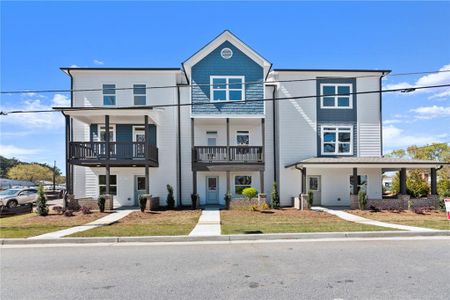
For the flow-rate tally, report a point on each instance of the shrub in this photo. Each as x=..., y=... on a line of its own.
x=264, y=206
x=310, y=198
x=142, y=202
x=362, y=200
x=101, y=203
x=253, y=207
x=416, y=184
x=68, y=213
x=194, y=199
x=85, y=210
x=250, y=193
x=410, y=204
x=227, y=199
x=419, y=210
x=170, y=198
x=58, y=209
x=41, y=203
x=274, y=196
x=373, y=208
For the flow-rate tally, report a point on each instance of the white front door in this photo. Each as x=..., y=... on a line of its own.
x=314, y=186
x=212, y=190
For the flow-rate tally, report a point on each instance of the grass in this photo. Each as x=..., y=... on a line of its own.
x=435, y=219
x=170, y=222
x=286, y=220
x=28, y=225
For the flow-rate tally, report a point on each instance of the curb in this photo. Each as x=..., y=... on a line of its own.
x=226, y=238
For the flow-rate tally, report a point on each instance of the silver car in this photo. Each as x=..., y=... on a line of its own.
x=15, y=197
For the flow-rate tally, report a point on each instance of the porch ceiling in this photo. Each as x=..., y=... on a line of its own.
x=366, y=162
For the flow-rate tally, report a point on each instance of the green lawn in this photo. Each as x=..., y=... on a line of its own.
x=28, y=225
x=239, y=221
x=434, y=219
x=148, y=224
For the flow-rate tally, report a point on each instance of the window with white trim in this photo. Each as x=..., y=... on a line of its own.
x=241, y=183
x=227, y=88
x=336, y=95
x=140, y=91
x=109, y=94
x=112, y=184
x=337, y=140
x=242, y=138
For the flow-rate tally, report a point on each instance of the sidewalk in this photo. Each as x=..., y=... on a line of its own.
x=106, y=220
x=208, y=223
x=352, y=218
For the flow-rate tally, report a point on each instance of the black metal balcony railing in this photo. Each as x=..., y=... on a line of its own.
x=224, y=154
x=117, y=151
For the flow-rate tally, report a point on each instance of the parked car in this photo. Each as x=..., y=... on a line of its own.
x=15, y=197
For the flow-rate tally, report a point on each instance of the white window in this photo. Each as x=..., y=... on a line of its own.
x=211, y=138
x=140, y=91
x=337, y=140
x=109, y=94
x=241, y=183
x=112, y=184
x=102, y=133
x=336, y=96
x=227, y=88
x=242, y=138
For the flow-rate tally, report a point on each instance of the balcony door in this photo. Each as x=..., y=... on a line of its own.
x=102, y=138
x=139, y=141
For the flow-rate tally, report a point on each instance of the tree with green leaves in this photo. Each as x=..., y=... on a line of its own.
x=274, y=196
x=170, y=198
x=41, y=203
x=30, y=172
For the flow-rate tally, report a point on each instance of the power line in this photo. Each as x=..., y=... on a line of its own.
x=225, y=84
x=57, y=109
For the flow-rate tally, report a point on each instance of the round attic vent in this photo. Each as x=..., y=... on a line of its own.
x=226, y=53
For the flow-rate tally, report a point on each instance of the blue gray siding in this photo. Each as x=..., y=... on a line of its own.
x=336, y=116
x=238, y=65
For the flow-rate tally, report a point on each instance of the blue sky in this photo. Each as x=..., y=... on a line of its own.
x=39, y=37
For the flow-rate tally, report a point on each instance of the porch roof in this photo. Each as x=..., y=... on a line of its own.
x=367, y=162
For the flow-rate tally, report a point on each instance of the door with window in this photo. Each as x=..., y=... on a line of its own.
x=139, y=188
x=102, y=138
x=212, y=190
x=139, y=139
x=313, y=185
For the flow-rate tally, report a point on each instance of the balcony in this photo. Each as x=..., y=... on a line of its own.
x=231, y=155
x=120, y=153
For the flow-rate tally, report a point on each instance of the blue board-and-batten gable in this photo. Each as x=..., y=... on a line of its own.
x=238, y=65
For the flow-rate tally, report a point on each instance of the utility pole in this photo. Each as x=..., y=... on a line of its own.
x=54, y=175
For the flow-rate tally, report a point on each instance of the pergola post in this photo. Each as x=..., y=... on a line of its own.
x=433, y=181
x=403, y=181
x=355, y=181
x=108, y=154
x=228, y=138
x=354, y=200
x=303, y=180
x=228, y=182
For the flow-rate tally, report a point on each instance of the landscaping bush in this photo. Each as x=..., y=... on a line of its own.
x=362, y=200
x=274, y=196
x=264, y=206
x=68, y=213
x=101, y=203
x=41, y=203
x=142, y=202
x=170, y=198
x=420, y=210
x=249, y=193
x=85, y=210
x=417, y=186
x=58, y=209
x=227, y=199
x=310, y=198
x=194, y=199
x=373, y=208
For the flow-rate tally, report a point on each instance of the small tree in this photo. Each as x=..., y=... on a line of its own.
x=416, y=184
x=310, y=198
x=249, y=193
x=274, y=196
x=101, y=203
x=170, y=198
x=41, y=203
x=142, y=202
x=362, y=199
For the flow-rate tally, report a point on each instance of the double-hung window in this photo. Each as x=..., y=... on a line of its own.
x=109, y=94
x=337, y=140
x=227, y=88
x=241, y=183
x=336, y=96
x=139, y=91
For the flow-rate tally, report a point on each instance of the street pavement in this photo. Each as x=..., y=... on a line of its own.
x=408, y=268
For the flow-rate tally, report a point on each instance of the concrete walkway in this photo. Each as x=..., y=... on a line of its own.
x=106, y=220
x=357, y=219
x=208, y=224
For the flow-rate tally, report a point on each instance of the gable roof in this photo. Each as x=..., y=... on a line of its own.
x=216, y=42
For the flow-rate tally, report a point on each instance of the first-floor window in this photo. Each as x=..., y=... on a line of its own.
x=241, y=183
x=337, y=140
x=112, y=184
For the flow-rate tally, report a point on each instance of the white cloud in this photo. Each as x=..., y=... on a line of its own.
x=74, y=66
x=438, y=78
x=60, y=100
x=431, y=112
x=10, y=151
x=98, y=62
x=394, y=138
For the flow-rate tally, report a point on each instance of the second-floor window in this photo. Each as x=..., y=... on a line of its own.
x=335, y=96
x=109, y=94
x=227, y=88
x=140, y=91
x=337, y=140
x=242, y=138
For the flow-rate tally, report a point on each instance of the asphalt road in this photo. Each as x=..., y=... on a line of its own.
x=381, y=269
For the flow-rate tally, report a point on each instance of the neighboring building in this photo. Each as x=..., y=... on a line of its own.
x=213, y=126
